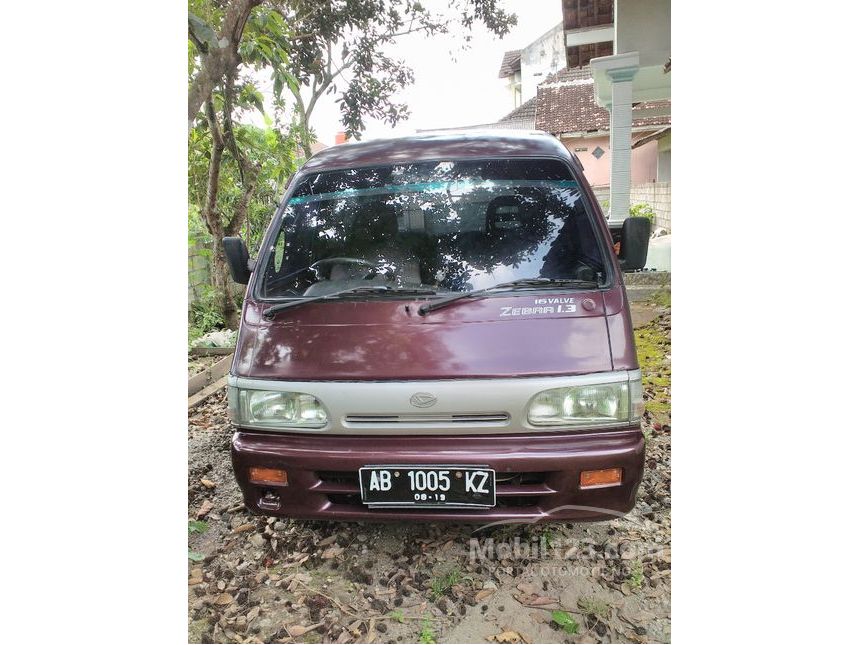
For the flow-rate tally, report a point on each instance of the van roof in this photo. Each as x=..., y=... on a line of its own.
x=430, y=146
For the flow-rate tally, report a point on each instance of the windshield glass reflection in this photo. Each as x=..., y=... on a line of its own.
x=447, y=226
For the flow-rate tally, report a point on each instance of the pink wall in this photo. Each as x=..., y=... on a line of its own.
x=644, y=160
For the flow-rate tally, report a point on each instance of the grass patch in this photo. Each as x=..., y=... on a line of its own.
x=662, y=298
x=440, y=585
x=193, y=334
x=547, y=539
x=593, y=607
x=426, y=635
x=637, y=575
x=653, y=344
x=398, y=615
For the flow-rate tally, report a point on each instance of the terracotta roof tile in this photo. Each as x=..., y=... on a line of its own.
x=565, y=103
x=524, y=112
x=510, y=63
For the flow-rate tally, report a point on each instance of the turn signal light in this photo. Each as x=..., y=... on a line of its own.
x=600, y=478
x=269, y=476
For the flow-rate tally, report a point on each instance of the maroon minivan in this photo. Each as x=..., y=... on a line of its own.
x=436, y=328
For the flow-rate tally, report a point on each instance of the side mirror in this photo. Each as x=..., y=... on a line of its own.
x=237, y=259
x=635, y=233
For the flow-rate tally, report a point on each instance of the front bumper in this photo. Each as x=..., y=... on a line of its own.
x=537, y=475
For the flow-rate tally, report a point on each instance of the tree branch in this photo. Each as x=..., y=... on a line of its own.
x=218, y=61
x=329, y=77
x=229, y=136
x=304, y=134
x=248, y=171
x=324, y=85
x=210, y=207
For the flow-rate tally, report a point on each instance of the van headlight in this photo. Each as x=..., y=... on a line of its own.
x=269, y=409
x=589, y=404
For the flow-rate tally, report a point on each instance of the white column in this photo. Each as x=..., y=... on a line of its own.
x=620, y=127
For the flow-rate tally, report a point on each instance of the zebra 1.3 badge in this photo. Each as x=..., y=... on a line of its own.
x=542, y=307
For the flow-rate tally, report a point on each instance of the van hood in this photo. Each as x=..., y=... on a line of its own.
x=539, y=334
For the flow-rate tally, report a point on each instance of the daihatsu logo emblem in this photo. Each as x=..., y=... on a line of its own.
x=422, y=400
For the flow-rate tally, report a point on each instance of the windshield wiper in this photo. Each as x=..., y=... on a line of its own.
x=369, y=289
x=528, y=283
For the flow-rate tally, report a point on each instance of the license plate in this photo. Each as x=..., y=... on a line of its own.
x=428, y=486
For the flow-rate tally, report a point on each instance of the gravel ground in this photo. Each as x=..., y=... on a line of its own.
x=257, y=579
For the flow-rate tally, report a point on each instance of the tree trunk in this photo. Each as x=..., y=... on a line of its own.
x=221, y=273
x=215, y=65
x=222, y=281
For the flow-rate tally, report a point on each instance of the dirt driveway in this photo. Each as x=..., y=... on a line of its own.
x=257, y=579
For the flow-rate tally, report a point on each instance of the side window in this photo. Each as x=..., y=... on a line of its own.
x=278, y=256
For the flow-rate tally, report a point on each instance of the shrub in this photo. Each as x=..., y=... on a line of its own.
x=643, y=210
x=636, y=210
x=205, y=314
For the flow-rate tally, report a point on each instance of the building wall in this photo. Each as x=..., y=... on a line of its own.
x=515, y=87
x=643, y=161
x=664, y=158
x=541, y=58
x=643, y=26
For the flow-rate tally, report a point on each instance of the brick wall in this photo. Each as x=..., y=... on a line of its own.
x=199, y=251
x=602, y=195
x=659, y=195
x=199, y=263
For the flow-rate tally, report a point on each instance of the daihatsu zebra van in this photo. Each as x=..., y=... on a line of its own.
x=436, y=328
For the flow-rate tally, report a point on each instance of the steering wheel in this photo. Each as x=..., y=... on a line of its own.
x=344, y=260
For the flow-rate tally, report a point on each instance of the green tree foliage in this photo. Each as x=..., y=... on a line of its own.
x=308, y=48
x=235, y=170
x=269, y=155
x=269, y=148
x=340, y=48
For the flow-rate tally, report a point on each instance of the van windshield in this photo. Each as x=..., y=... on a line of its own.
x=443, y=225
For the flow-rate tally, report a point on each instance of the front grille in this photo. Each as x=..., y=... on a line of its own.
x=446, y=419
x=339, y=476
x=350, y=499
x=520, y=478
